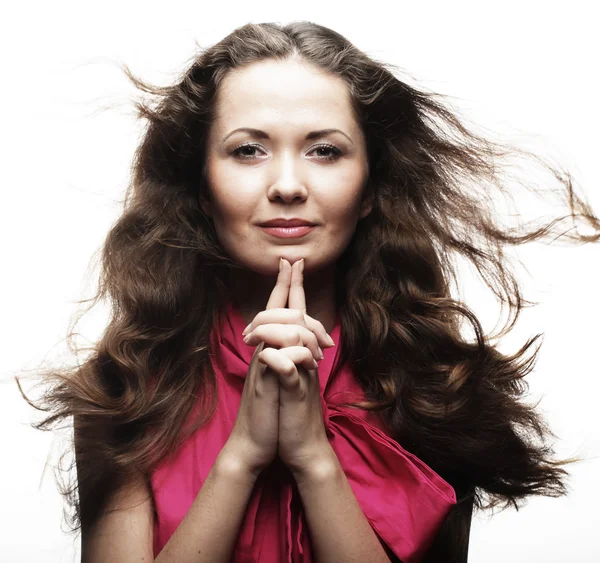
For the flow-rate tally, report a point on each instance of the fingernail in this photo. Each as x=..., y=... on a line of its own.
x=330, y=340
x=280, y=263
x=302, y=265
x=246, y=329
x=320, y=356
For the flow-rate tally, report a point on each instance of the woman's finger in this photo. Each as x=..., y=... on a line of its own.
x=285, y=335
x=297, y=297
x=317, y=328
x=291, y=316
x=284, y=363
x=277, y=315
x=279, y=295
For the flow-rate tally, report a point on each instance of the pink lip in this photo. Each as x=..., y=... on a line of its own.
x=288, y=232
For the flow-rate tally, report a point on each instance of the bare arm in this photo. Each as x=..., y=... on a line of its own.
x=339, y=529
x=207, y=534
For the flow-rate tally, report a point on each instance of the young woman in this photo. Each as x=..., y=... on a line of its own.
x=280, y=393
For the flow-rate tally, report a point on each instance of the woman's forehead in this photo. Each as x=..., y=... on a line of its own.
x=280, y=91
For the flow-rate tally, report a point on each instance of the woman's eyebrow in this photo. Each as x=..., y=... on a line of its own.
x=262, y=135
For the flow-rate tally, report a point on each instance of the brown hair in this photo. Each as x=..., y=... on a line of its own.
x=455, y=403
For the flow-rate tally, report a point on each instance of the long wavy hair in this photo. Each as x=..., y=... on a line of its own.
x=456, y=403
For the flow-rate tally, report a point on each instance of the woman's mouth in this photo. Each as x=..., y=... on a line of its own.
x=288, y=232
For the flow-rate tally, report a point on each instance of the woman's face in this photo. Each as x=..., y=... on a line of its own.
x=255, y=177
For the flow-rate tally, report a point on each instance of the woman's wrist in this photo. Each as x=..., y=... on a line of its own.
x=231, y=464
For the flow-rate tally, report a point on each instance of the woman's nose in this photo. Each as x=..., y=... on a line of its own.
x=289, y=183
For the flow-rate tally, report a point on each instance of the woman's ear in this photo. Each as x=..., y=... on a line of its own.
x=366, y=205
x=366, y=210
x=205, y=205
x=204, y=201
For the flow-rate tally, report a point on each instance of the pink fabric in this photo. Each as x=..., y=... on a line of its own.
x=403, y=499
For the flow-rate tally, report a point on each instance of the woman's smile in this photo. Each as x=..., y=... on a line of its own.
x=289, y=232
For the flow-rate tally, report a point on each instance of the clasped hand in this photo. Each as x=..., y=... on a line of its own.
x=302, y=442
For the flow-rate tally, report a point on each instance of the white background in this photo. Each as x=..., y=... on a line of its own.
x=526, y=67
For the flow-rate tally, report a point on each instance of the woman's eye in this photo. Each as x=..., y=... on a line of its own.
x=238, y=151
x=333, y=151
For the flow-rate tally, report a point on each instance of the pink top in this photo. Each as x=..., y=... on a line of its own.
x=403, y=499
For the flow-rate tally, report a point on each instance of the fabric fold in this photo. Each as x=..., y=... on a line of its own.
x=404, y=500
